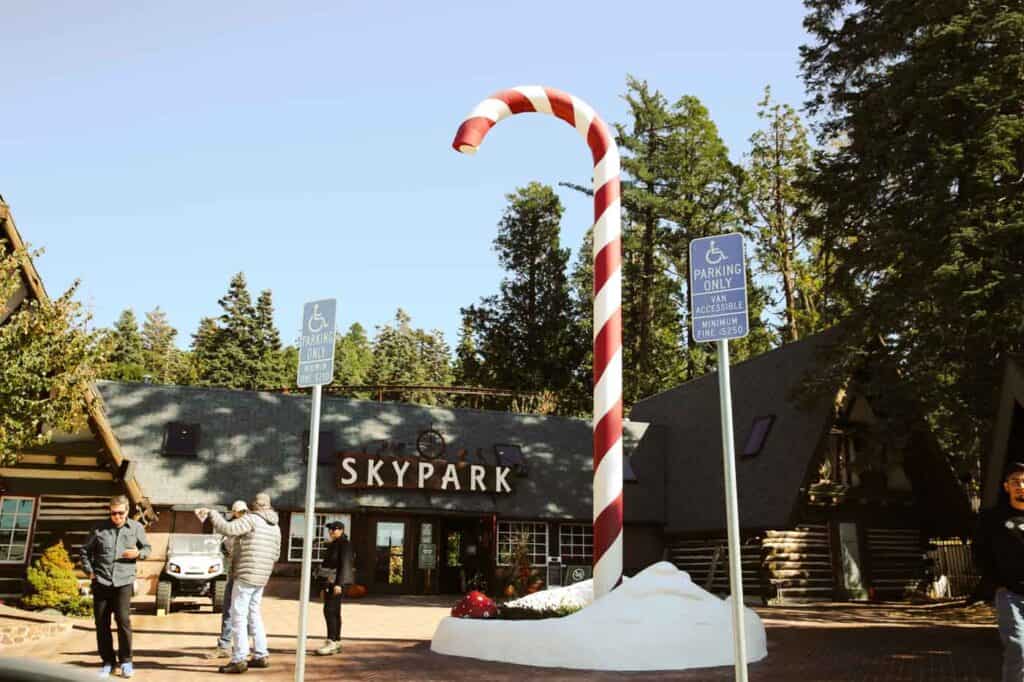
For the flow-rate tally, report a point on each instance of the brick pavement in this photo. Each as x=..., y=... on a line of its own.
x=388, y=639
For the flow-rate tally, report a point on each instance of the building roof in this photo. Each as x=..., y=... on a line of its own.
x=34, y=290
x=1007, y=431
x=769, y=484
x=252, y=441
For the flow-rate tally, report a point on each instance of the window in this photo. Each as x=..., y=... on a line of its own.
x=758, y=435
x=628, y=475
x=325, y=450
x=511, y=456
x=181, y=439
x=297, y=533
x=15, y=528
x=535, y=534
x=576, y=543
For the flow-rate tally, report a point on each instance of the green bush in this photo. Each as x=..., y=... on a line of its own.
x=54, y=585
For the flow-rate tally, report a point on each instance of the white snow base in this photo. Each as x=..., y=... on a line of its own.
x=659, y=620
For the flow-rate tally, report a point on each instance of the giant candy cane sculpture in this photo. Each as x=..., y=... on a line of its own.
x=607, y=300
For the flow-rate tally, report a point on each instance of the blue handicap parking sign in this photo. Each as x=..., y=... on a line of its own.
x=718, y=288
x=316, y=343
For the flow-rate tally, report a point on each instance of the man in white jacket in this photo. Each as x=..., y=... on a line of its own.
x=257, y=547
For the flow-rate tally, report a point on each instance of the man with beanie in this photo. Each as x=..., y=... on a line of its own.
x=335, y=574
x=999, y=553
x=256, y=549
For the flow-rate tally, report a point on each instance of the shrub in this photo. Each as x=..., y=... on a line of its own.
x=54, y=585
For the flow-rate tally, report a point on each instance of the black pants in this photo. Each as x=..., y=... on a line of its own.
x=332, y=614
x=113, y=601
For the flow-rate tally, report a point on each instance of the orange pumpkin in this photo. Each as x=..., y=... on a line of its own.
x=510, y=591
x=355, y=591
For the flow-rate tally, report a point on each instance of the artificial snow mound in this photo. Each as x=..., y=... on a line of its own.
x=659, y=620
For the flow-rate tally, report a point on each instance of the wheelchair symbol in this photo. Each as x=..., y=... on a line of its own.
x=317, y=318
x=715, y=255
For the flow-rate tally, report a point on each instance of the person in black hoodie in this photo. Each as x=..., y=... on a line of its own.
x=336, y=573
x=999, y=553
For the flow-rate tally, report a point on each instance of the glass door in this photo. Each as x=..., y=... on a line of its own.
x=390, y=567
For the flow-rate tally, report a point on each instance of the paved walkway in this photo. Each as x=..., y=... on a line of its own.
x=388, y=639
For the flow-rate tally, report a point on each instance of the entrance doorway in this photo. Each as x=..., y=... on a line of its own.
x=391, y=556
x=460, y=566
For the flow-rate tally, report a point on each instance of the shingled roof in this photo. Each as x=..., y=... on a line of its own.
x=252, y=441
x=769, y=483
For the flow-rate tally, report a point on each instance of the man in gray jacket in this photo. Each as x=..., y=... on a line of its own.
x=256, y=549
x=108, y=558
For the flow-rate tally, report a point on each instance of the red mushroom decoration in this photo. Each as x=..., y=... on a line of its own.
x=475, y=605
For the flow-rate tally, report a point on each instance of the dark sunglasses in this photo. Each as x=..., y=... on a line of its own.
x=118, y=513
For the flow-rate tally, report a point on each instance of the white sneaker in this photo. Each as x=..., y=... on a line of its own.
x=331, y=647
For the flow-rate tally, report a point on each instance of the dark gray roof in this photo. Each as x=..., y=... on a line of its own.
x=252, y=441
x=769, y=483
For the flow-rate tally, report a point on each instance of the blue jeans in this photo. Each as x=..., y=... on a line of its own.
x=1010, y=609
x=224, y=641
x=246, y=618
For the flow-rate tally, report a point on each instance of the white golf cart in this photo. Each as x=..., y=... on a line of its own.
x=194, y=568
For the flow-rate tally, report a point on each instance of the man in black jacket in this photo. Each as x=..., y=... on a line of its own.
x=336, y=573
x=999, y=552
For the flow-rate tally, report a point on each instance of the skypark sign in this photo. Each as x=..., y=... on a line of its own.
x=358, y=470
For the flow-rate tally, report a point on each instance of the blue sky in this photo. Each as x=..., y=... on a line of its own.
x=154, y=149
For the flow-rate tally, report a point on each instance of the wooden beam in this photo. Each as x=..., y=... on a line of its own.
x=53, y=459
x=23, y=472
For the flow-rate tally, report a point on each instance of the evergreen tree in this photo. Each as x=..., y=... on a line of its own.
x=778, y=159
x=163, y=361
x=126, y=360
x=920, y=186
x=353, y=356
x=232, y=356
x=271, y=360
x=205, y=343
x=525, y=336
x=678, y=185
x=404, y=355
x=54, y=584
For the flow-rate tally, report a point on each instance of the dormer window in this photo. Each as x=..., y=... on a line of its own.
x=181, y=440
x=758, y=436
x=511, y=456
x=326, y=452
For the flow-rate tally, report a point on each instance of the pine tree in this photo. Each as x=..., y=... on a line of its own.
x=53, y=582
x=232, y=349
x=163, y=361
x=126, y=358
x=271, y=370
x=525, y=336
x=404, y=355
x=353, y=356
x=205, y=343
x=920, y=193
x=778, y=159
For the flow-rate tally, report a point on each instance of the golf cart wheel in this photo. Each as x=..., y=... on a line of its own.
x=163, y=596
x=218, y=595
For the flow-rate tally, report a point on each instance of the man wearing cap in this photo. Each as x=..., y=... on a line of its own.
x=335, y=574
x=999, y=553
x=223, y=650
x=256, y=549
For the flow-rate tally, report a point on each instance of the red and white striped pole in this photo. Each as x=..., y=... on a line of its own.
x=607, y=299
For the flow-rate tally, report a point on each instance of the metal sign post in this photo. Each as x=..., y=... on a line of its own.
x=718, y=295
x=316, y=367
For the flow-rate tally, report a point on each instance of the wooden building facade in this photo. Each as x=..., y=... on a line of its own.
x=56, y=492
